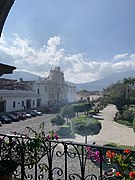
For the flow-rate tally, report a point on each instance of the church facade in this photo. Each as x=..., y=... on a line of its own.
x=47, y=92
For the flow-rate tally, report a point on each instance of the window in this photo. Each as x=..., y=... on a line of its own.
x=2, y=106
x=38, y=91
x=33, y=102
x=22, y=103
x=13, y=104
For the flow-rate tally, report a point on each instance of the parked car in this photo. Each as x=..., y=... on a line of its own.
x=33, y=114
x=5, y=120
x=0, y=123
x=39, y=113
x=20, y=115
x=13, y=117
x=28, y=115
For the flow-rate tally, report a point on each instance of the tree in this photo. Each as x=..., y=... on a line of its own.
x=58, y=121
x=129, y=83
x=87, y=107
x=85, y=126
x=121, y=93
x=67, y=111
x=78, y=108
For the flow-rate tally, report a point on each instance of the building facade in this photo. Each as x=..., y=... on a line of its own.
x=50, y=91
x=88, y=96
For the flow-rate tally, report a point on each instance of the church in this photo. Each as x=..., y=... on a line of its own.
x=18, y=95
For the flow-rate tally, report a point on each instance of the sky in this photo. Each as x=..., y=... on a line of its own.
x=88, y=39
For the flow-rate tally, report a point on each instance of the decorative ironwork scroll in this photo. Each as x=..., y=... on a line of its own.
x=59, y=160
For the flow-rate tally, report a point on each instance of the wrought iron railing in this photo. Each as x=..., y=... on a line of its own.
x=59, y=160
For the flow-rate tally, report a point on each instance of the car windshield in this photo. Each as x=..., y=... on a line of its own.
x=5, y=117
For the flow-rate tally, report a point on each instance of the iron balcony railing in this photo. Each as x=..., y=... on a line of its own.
x=59, y=160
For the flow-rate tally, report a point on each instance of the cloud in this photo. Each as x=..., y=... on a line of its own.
x=120, y=56
x=20, y=53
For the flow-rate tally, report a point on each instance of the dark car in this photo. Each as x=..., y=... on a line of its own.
x=20, y=115
x=5, y=120
x=13, y=117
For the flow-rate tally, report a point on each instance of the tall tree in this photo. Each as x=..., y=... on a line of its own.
x=121, y=93
x=58, y=121
x=85, y=126
x=67, y=111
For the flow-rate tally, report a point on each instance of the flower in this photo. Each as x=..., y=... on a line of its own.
x=110, y=154
x=118, y=174
x=127, y=151
x=132, y=175
x=123, y=162
x=94, y=155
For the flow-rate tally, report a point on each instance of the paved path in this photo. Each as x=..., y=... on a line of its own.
x=33, y=122
x=111, y=131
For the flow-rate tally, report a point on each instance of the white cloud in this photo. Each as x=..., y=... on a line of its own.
x=120, y=56
x=20, y=53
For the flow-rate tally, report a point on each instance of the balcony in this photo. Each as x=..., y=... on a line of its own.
x=59, y=160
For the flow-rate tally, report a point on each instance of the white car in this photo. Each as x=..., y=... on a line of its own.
x=28, y=115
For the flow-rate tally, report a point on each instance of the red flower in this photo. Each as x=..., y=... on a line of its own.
x=118, y=174
x=110, y=154
x=127, y=151
x=132, y=175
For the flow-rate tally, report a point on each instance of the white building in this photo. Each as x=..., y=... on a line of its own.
x=13, y=100
x=88, y=96
x=51, y=91
x=71, y=92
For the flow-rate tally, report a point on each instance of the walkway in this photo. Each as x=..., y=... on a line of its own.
x=111, y=131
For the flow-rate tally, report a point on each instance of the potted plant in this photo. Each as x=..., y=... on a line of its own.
x=23, y=149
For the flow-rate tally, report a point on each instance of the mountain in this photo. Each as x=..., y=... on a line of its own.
x=105, y=82
x=21, y=74
x=97, y=85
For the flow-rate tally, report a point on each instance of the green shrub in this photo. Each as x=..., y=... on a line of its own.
x=126, y=123
x=93, y=112
x=128, y=115
x=65, y=131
